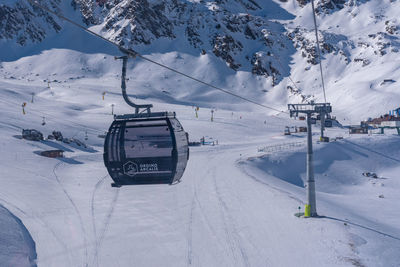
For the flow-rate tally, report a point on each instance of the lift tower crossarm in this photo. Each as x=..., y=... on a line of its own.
x=312, y=107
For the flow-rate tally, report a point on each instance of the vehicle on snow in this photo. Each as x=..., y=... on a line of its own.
x=57, y=135
x=32, y=134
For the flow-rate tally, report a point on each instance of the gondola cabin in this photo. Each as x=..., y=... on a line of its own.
x=328, y=123
x=149, y=148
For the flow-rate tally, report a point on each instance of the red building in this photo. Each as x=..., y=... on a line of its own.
x=53, y=153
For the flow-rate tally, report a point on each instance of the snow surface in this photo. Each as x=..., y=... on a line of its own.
x=16, y=247
x=234, y=207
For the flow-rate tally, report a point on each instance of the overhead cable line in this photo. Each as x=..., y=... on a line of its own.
x=210, y=85
x=134, y=54
x=318, y=49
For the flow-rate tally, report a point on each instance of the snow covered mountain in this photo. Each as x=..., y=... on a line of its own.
x=273, y=40
x=234, y=31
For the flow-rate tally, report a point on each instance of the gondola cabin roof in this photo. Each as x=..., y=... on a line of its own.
x=145, y=116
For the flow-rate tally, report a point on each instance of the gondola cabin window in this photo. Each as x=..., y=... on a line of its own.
x=147, y=142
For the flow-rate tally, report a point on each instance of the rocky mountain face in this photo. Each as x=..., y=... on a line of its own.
x=327, y=6
x=379, y=42
x=26, y=24
x=229, y=29
x=238, y=32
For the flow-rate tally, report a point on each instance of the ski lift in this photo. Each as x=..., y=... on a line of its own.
x=287, y=131
x=328, y=121
x=145, y=148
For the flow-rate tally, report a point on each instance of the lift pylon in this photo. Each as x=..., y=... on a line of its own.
x=309, y=110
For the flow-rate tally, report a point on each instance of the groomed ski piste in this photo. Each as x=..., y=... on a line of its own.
x=235, y=205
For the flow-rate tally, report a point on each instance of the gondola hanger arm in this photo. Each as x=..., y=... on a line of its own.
x=146, y=107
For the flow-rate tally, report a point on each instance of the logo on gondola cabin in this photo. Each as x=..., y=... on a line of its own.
x=130, y=168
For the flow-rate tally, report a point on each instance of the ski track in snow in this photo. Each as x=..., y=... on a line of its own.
x=95, y=258
x=190, y=232
x=255, y=179
x=11, y=126
x=205, y=217
x=107, y=221
x=198, y=212
x=99, y=240
x=76, y=210
x=232, y=235
x=202, y=212
x=233, y=241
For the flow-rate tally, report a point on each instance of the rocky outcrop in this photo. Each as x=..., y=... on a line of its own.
x=329, y=6
x=236, y=31
x=224, y=46
x=330, y=43
x=229, y=29
x=23, y=23
x=208, y=26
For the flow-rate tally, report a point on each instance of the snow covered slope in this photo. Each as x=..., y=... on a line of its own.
x=239, y=33
x=361, y=49
x=234, y=207
x=361, y=205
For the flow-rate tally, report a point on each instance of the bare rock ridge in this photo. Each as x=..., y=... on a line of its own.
x=238, y=32
x=225, y=28
x=24, y=23
x=228, y=29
